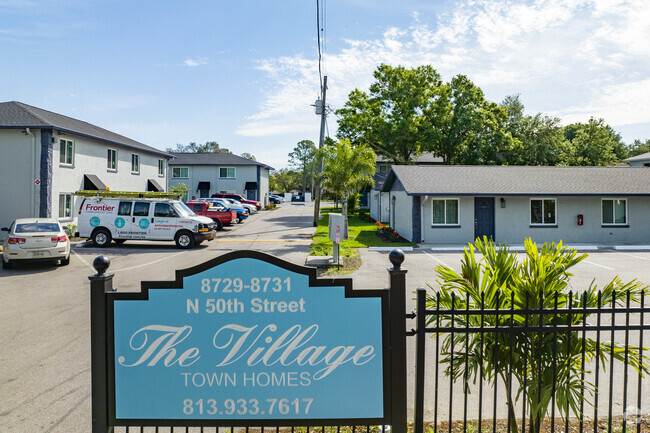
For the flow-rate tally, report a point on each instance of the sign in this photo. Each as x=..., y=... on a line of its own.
x=37, y=182
x=247, y=336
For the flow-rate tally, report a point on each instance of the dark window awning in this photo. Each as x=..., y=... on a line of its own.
x=92, y=182
x=203, y=186
x=251, y=186
x=152, y=185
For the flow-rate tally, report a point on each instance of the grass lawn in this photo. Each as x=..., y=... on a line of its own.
x=361, y=234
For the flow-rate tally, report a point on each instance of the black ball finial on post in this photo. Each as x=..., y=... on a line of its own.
x=396, y=257
x=101, y=264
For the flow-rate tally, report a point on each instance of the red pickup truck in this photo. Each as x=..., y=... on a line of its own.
x=219, y=214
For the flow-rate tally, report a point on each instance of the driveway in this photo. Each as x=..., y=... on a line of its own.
x=44, y=314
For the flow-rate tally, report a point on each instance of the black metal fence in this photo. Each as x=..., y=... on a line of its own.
x=576, y=366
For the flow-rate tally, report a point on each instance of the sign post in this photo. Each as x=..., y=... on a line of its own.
x=335, y=225
x=245, y=339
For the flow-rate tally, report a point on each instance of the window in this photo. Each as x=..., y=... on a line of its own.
x=227, y=172
x=141, y=208
x=65, y=205
x=161, y=167
x=543, y=211
x=180, y=172
x=66, y=151
x=124, y=208
x=444, y=211
x=614, y=211
x=111, y=160
x=384, y=168
x=163, y=210
x=135, y=163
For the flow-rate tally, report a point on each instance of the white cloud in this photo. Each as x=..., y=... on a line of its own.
x=574, y=58
x=193, y=62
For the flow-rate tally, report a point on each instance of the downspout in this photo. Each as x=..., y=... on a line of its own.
x=32, y=196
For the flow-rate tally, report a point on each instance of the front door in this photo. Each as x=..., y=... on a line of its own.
x=484, y=217
x=251, y=194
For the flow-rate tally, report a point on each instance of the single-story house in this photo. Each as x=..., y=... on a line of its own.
x=208, y=173
x=45, y=157
x=642, y=160
x=456, y=204
x=377, y=201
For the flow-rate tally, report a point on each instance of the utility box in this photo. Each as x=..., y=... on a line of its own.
x=287, y=197
x=307, y=197
x=336, y=223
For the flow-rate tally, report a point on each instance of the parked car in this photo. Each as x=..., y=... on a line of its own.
x=35, y=239
x=275, y=199
x=251, y=209
x=240, y=198
x=122, y=218
x=221, y=215
x=242, y=212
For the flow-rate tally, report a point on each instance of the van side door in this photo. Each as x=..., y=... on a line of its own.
x=164, y=222
x=140, y=222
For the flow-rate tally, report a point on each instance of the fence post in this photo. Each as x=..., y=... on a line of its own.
x=419, y=361
x=397, y=297
x=100, y=284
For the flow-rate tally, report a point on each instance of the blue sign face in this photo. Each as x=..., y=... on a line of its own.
x=119, y=222
x=248, y=339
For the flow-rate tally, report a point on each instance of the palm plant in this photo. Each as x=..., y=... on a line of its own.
x=346, y=169
x=545, y=366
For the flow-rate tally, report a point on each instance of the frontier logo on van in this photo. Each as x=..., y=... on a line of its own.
x=102, y=208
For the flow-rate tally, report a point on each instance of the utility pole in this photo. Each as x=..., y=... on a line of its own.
x=319, y=163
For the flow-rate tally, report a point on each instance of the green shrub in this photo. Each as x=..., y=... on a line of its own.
x=70, y=230
x=353, y=203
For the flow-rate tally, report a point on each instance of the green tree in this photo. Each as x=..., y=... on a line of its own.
x=346, y=169
x=303, y=156
x=592, y=143
x=181, y=189
x=543, y=361
x=471, y=129
x=391, y=118
x=248, y=156
x=208, y=147
x=537, y=139
x=285, y=180
x=638, y=147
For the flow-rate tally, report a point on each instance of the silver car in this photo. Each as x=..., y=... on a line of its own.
x=33, y=239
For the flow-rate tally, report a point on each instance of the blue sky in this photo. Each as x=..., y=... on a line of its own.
x=244, y=73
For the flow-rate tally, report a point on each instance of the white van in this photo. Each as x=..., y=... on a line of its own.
x=124, y=218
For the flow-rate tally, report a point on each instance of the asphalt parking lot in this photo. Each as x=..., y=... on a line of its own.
x=44, y=317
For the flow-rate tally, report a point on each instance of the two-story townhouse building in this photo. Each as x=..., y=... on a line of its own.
x=208, y=173
x=45, y=157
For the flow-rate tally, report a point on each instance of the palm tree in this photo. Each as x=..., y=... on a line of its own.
x=346, y=169
x=545, y=366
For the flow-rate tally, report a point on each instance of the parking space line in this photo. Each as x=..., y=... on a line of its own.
x=150, y=263
x=438, y=260
x=600, y=266
x=83, y=260
x=636, y=257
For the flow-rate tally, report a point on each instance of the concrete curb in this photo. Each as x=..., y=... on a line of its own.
x=405, y=249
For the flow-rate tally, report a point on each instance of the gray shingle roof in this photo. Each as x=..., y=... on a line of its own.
x=520, y=180
x=642, y=157
x=213, y=159
x=18, y=115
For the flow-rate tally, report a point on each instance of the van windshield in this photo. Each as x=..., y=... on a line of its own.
x=183, y=210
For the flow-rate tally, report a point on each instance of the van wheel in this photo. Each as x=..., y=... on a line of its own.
x=184, y=240
x=101, y=238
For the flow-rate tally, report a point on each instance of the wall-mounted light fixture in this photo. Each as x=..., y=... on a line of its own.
x=503, y=202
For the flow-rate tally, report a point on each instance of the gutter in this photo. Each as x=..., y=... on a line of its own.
x=32, y=197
